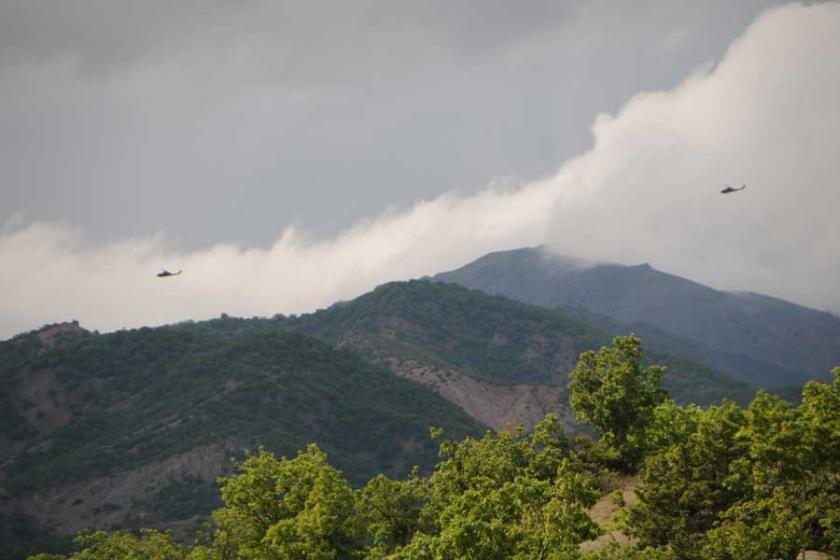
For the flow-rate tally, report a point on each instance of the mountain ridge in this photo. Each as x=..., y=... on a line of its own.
x=759, y=339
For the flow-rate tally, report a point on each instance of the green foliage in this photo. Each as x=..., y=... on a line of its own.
x=287, y=508
x=611, y=390
x=148, y=545
x=745, y=484
x=614, y=551
x=489, y=337
x=689, y=483
x=721, y=483
x=775, y=526
x=507, y=495
x=391, y=509
x=171, y=390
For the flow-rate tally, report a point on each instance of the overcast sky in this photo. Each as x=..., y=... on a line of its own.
x=287, y=156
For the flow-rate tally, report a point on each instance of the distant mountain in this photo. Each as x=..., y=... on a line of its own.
x=114, y=429
x=761, y=340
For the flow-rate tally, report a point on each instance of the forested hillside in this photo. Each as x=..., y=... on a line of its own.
x=132, y=427
x=685, y=483
x=500, y=360
x=110, y=429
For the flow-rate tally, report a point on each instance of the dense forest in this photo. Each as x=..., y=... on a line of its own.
x=722, y=482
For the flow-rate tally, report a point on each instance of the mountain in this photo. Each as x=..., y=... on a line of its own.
x=500, y=360
x=761, y=340
x=111, y=430
x=131, y=428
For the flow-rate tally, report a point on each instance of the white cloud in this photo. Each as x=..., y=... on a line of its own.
x=53, y=276
x=767, y=115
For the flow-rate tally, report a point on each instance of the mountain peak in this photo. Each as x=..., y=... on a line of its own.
x=761, y=340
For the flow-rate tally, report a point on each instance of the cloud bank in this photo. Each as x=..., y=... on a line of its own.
x=766, y=115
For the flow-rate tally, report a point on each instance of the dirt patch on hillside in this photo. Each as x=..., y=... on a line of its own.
x=495, y=405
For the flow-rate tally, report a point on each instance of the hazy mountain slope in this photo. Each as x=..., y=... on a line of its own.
x=500, y=360
x=761, y=340
x=101, y=430
x=491, y=339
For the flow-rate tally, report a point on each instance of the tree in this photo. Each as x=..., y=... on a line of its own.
x=614, y=551
x=391, y=509
x=506, y=495
x=612, y=391
x=99, y=545
x=791, y=464
x=775, y=526
x=687, y=485
x=728, y=483
x=287, y=508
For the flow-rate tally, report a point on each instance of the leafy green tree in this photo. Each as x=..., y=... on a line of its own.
x=148, y=545
x=611, y=390
x=725, y=483
x=771, y=527
x=287, y=508
x=792, y=461
x=506, y=495
x=685, y=486
x=391, y=509
x=614, y=551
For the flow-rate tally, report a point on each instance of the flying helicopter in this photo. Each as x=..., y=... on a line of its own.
x=166, y=273
x=729, y=189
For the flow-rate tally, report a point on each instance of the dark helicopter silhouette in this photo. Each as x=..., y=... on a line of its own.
x=729, y=189
x=166, y=273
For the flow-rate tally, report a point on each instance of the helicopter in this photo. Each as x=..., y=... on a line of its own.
x=166, y=274
x=729, y=189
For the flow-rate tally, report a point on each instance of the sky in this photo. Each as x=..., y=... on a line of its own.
x=287, y=156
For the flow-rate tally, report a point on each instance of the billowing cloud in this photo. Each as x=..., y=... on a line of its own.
x=52, y=275
x=766, y=115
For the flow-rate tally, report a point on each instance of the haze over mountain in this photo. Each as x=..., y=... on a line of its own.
x=764, y=341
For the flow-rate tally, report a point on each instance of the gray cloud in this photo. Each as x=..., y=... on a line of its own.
x=766, y=114
x=229, y=120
